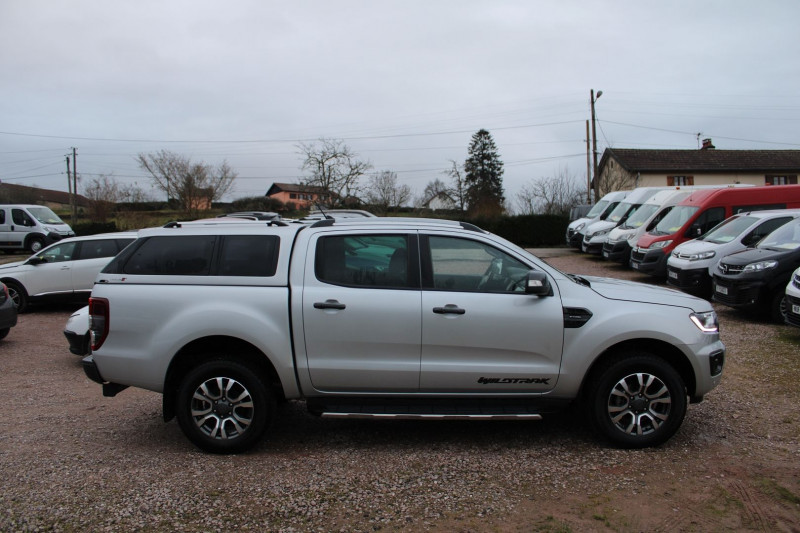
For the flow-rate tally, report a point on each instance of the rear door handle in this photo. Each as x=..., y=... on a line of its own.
x=449, y=309
x=329, y=304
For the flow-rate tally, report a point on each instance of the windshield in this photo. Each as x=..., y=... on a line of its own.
x=640, y=216
x=44, y=215
x=675, y=220
x=620, y=211
x=785, y=238
x=728, y=230
x=598, y=208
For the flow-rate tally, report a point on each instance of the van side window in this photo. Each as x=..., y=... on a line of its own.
x=2, y=216
x=21, y=218
x=765, y=229
x=187, y=255
x=365, y=261
x=249, y=255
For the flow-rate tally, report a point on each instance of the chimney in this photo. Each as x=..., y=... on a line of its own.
x=707, y=145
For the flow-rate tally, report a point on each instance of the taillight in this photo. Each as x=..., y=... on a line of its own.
x=98, y=321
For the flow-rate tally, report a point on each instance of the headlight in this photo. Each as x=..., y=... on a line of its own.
x=48, y=228
x=707, y=322
x=660, y=244
x=580, y=226
x=695, y=257
x=761, y=265
x=599, y=233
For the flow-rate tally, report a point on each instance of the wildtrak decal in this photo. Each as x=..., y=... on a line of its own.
x=526, y=381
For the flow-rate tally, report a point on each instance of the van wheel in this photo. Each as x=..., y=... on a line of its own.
x=224, y=407
x=637, y=401
x=778, y=307
x=18, y=295
x=35, y=244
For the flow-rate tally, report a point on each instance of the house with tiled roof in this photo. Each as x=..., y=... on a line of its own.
x=626, y=168
x=11, y=193
x=299, y=194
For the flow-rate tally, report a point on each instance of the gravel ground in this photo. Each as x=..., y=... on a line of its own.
x=72, y=460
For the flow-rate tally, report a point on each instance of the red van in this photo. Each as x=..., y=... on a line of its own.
x=698, y=213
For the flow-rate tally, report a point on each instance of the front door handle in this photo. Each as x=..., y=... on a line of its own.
x=329, y=304
x=449, y=309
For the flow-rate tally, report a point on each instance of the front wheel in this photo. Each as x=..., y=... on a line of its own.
x=18, y=295
x=778, y=307
x=637, y=401
x=224, y=407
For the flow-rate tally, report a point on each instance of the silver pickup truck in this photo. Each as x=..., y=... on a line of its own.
x=389, y=318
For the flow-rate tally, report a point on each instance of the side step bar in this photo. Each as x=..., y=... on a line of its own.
x=432, y=416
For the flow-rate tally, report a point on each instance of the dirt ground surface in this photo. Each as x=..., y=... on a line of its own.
x=73, y=460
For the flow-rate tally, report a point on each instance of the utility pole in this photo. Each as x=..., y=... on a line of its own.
x=69, y=182
x=594, y=144
x=74, y=186
x=588, y=168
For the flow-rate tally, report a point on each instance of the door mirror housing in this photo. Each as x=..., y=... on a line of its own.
x=537, y=284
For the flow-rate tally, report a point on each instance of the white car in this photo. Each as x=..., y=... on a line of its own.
x=77, y=331
x=793, y=300
x=64, y=270
x=691, y=265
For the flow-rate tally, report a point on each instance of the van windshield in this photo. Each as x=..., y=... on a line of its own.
x=674, y=220
x=783, y=239
x=598, y=208
x=44, y=215
x=640, y=216
x=728, y=230
x=619, y=212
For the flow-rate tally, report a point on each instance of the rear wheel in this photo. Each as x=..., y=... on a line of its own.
x=18, y=295
x=637, y=401
x=224, y=407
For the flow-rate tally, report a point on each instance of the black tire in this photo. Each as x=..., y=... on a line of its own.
x=777, y=307
x=224, y=407
x=19, y=295
x=637, y=401
x=4, y=333
x=35, y=244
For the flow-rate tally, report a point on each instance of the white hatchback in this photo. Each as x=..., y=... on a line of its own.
x=64, y=270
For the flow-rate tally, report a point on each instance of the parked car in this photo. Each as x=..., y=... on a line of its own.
x=77, y=331
x=793, y=300
x=389, y=318
x=30, y=227
x=62, y=271
x=699, y=213
x=8, y=312
x=756, y=278
x=691, y=265
x=253, y=215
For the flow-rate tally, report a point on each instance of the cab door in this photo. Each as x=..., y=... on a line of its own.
x=361, y=312
x=480, y=331
x=52, y=271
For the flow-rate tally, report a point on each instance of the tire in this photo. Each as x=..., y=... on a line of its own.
x=18, y=295
x=637, y=401
x=4, y=333
x=777, y=307
x=224, y=407
x=35, y=244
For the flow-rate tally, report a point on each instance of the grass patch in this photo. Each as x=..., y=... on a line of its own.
x=779, y=492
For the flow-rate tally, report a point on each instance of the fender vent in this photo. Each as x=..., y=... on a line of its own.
x=575, y=317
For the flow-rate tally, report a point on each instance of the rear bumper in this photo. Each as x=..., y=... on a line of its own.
x=93, y=373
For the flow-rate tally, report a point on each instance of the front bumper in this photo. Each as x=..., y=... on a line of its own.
x=574, y=238
x=688, y=280
x=592, y=246
x=619, y=251
x=793, y=311
x=653, y=261
x=741, y=294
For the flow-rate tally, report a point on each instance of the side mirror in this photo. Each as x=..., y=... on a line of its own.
x=536, y=283
x=36, y=260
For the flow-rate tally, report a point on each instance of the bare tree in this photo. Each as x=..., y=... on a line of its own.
x=458, y=192
x=384, y=192
x=550, y=196
x=193, y=185
x=333, y=167
x=103, y=193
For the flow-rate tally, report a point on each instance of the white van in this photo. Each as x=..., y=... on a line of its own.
x=596, y=233
x=793, y=300
x=600, y=211
x=691, y=265
x=622, y=239
x=30, y=227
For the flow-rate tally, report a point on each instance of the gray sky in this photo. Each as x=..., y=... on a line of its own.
x=404, y=83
